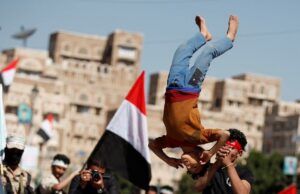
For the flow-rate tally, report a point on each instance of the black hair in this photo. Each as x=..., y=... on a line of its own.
x=95, y=162
x=236, y=134
x=62, y=157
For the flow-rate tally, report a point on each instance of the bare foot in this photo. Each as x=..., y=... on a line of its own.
x=233, y=25
x=203, y=28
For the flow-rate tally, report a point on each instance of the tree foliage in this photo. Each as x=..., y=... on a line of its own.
x=186, y=185
x=127, y=187
x=268, y=173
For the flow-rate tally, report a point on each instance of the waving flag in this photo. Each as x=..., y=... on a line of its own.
x=292, y=189
x=46, y=129
x=124, y=145
x=8, y=73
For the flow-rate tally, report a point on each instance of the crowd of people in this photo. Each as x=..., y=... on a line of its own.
x=93, y=179
x=183, y=129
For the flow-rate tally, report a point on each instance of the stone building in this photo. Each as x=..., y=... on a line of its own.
x=79, y=81
x=282, y=129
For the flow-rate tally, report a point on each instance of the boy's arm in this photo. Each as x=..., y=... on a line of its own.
x=157, y=149
x=221, y=136
x=203, y=181
x=59, y=186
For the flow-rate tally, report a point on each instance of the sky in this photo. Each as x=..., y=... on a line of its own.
x=267, y=43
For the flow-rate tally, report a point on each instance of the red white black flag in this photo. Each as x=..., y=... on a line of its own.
x=124, y=145
x=46, y=129
x=8, y=73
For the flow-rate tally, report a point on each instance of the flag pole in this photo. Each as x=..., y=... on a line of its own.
x=3, y=135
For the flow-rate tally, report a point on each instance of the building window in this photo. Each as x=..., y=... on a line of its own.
x=218, y=103
x=82, y=109
x=11, y=109
x=125, y=62
x=127, y=52
x=98, y=111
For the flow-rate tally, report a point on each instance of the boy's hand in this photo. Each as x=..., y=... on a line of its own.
x=225, y=155
x=176, y=163
x=205, y=157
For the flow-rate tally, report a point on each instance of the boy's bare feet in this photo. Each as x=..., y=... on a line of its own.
x=233, y=25
x=203, y=28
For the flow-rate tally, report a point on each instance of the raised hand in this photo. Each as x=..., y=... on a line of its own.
x=175, y=162
x=205, y=157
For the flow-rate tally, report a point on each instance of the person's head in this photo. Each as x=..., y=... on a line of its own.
x=59, y=165
x=97, y=168
x=237, y=141
x=166, y=190
x=14, y=149
x=151, y=190
x=191, y=161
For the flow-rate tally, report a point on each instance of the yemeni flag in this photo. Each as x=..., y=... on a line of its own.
x=46, y=129
x=124, y=145
x=292, y=189
x=8, y=73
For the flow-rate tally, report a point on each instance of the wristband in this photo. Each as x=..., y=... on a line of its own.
x=227, y=165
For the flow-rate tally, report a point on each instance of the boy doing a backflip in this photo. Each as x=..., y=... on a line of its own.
x=181, y=114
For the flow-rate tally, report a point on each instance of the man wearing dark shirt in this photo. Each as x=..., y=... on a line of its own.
x=94, y=180
x=224, y=176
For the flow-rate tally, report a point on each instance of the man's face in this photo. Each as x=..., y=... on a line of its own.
x=234, y=153
x=235, y=149
x=58, y=171
x=13, y=156
x=191, y=162
x=100, y=170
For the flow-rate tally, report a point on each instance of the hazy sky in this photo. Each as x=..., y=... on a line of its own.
x=268, y=40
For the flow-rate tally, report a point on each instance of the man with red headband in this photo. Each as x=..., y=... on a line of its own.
x=224, y=176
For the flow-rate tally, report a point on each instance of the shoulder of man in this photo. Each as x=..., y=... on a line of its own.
x=27, y=175
x=245, y=174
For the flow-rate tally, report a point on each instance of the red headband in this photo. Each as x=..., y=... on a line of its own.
x=235, y=144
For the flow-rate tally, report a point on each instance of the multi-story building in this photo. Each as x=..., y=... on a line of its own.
x=282, y=129
x=81, y=79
